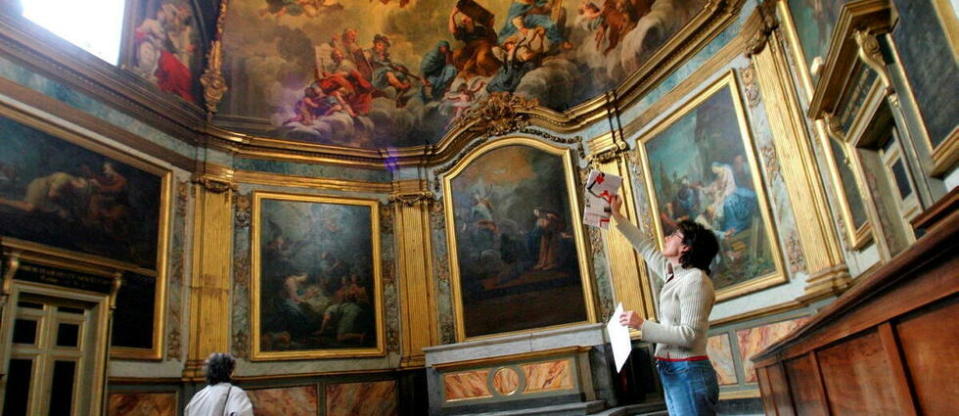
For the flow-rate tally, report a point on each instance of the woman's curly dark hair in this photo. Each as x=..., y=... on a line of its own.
x=702, y=244
x=219, y=368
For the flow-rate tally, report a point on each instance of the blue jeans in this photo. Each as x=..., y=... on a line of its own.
x=690, y=386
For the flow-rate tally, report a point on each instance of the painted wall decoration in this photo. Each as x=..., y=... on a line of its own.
x=317, y=283
x=142, y=404
x=162, y=45
x=399, y=73
x=921, y=40
x=284, y=401
x=814, y=21
x=515, y=240
x=721, y=357
x=700, y=166
x=378, y=398
x=753, y=340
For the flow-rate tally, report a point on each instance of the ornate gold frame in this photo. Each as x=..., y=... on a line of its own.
x=163, y=232
x=857, y=237
x=576, y=220
x=778, y=276
x=256, y=354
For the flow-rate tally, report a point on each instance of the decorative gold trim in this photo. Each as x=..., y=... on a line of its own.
x=946, y=154
x=868, y=16
x=859, y=237
x=870, y=54
x=274, y=179
x=214, y=85
x=822, y=252
x=477, y=363
x=949, y=17
x=788, y=26
x=575, y=220
x=163, y=224
x=739, y=394
x=758, y=313
x=778, y=276
x=256, y=353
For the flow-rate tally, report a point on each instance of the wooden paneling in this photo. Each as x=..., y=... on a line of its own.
x=780, y=390
x=769, y=403
x=930, y=340
x=858, y=377
x=807, y=393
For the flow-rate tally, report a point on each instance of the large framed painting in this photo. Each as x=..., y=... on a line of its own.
x=847, y=182
x=66, y=190
x=317, y=282
x=700, y=165
x=923, y=44
x=809, y=25
x=396, y=73
x=162, y=45
x=517, y=252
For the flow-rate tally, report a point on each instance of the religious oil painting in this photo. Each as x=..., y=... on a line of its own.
x=64, y=190
x=814, y=21
x=401, y=73
x=921, y=39
x=162, y=45
x=316, y=277
x=516, y=240
x=700, y=166
x=58, y=193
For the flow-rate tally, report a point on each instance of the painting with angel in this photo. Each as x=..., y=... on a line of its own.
x=315, y=273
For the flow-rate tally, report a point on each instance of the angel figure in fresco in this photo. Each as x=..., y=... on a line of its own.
x=402, y=2
x=387, y=73
x=462, y=99
x=472, y=25
x=618, y=18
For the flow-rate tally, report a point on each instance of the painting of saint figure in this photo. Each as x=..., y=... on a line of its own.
x=317, y=282
x=60, y=194
x=398, y=73
x=515, y=237
x=701, y=168
x=163, y=46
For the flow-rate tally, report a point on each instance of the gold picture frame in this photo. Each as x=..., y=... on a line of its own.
x=858, y=237
x=777, y=275
x=376, y=281
x=576, y=227
x=70, y=135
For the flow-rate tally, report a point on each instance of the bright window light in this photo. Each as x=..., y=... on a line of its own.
x=94, y=25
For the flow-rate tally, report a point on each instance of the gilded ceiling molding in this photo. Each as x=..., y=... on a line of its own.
x=214, y=85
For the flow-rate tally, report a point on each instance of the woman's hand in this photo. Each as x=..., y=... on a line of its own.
x=631, y=319
x=616, y=204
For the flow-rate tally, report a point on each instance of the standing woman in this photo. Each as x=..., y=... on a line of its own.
x=219, y=397
x=685, y=301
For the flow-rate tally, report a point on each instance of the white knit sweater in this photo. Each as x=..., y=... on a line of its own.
x=685, y=302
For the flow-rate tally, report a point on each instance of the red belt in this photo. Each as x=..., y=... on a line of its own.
x=696, y=358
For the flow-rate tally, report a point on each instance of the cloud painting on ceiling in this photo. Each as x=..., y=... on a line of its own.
x=394, y=73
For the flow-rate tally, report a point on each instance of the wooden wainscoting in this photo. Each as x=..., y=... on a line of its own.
x=886, y=347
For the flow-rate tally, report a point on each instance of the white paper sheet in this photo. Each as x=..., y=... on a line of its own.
x=618, y=338
x=600, y=187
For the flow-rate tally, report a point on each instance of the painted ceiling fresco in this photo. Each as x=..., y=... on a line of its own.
x=394, y=73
